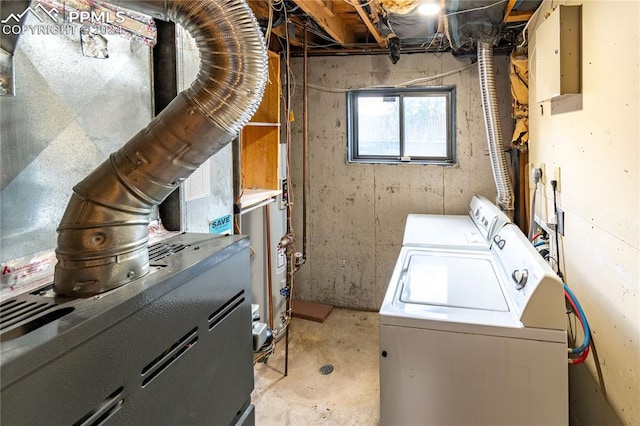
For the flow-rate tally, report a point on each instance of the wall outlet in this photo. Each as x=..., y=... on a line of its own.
x=556, y=177
x=537, y=169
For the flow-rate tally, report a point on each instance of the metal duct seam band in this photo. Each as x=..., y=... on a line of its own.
x=102, y=238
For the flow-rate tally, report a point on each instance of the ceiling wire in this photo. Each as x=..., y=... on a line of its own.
x=475, y=8
x=291, y=78
x=435, y=34
x=427, y=79
x=536, y=14
x=405, y=84
x=361, y=4
x=352, y=45
x=267, y=39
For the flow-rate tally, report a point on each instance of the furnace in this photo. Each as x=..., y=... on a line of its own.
x=174, y=346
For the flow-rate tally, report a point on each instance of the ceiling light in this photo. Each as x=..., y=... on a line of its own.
x=429, y=8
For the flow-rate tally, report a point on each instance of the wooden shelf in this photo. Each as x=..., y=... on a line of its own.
x=253, y=197
x=260, y=138
x=256, y=124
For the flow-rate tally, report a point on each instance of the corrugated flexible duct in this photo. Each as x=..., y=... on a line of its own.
x=102, y=238
x=505, y=198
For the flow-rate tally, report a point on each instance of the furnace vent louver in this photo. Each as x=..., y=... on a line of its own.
x=226, y=309
x=169, y=356
x=20, y=317
x=161, y=250
x=14, y=311
x=102, y=412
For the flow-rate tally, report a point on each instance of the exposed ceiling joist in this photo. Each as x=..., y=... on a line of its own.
x=327, y=6
x=375, y=12
x=261, y=10
x=382, y=42
x=333, y=25
x=363, y=26
x=513, y=16
x=509, y=8
x=294, y=41
x=518, y=16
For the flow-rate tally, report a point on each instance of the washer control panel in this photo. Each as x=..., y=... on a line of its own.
x=487, y=217
x=531, y=284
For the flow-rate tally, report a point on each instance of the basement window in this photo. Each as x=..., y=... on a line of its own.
x=413, y=125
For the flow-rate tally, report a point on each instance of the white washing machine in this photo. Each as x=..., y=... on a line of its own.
x=474, y=230
x=472, y=336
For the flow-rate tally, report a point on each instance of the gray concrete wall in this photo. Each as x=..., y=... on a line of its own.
x=357, y=212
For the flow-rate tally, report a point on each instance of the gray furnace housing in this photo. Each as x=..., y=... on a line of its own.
x=173, y=347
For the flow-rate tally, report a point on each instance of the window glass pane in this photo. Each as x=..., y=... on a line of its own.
x=425, y=121
x=378, y=125
x=402, y=125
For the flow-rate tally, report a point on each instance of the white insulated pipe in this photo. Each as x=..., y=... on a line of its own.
x=505, y=197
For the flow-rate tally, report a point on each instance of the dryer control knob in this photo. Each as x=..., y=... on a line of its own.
x=520, y=278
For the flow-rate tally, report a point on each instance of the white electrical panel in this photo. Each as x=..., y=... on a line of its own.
x=557, y=54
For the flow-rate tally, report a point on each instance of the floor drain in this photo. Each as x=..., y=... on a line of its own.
x=326, y=369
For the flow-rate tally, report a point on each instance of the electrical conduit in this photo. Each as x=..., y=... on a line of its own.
x=102, y=238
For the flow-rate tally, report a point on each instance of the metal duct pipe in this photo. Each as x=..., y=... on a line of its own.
x=102, y=238
x=505, y=198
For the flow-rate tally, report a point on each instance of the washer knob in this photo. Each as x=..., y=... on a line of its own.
x=520, y=277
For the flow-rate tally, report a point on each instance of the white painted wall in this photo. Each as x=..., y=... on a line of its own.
x=594, y=139
x=357, y=212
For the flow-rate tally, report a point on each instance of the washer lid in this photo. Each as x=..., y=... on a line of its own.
x=448, y=279
x=454, y=231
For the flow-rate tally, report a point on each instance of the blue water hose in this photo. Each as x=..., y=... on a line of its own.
x=585, y=324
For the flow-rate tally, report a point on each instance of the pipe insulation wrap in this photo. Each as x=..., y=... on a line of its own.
x=102, y=237
x=505, y=197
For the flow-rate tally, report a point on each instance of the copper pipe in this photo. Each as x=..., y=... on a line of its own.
x=286, y=350
x=305, y=143
x=267, y=218
x=364, y=51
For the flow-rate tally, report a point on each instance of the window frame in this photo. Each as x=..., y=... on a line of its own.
x=353, y=156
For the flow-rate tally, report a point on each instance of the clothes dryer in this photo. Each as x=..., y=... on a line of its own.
x=473, y=230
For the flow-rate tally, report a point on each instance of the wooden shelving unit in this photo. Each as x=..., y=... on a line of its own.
x=260, y=138
x=258, y=214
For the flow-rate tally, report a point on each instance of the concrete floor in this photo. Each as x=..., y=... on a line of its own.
x=348, y=340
